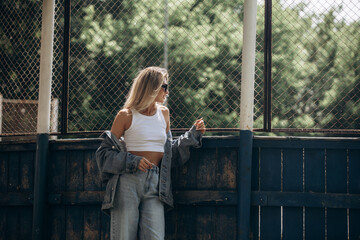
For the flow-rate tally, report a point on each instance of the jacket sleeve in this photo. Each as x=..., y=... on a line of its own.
x=111, y=160
x=181, y=146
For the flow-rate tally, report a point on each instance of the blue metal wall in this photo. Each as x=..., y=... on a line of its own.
x=301, y=188
x=306, y=189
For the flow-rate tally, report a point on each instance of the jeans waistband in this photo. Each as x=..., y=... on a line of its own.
x=155, y=168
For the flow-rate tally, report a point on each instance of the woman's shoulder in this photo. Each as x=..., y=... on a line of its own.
x=125, y=112
x=122, y=122
x=124, y=115
x=163, y=108
x=165, y=111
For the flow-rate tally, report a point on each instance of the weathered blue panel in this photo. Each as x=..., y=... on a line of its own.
x=206, y=169
x=3, y=222
x=336, y=224
x=336, y=170
x=92, y=228
x=25, y=218
x=170, y=229
x=74, y=222
x=205, y=222
x=57, y=171
x=225, y=222
x=354, y=187
x=12, y=226
x=210, y=211
x=4, y=169
x=57, y=183
x=254, y=222
x=226, y=168
x=314, y=182
x=91, y=182
x=293, y=182
x=186, y=219
x=255, y=169
x=336, y=179
x=186, y=175
x=105, y=227
x=75, y=171
x=254, y=211
x=27, y=160
x=354, y=223
x=57, y=223
x=270, y=180
x=14, y=171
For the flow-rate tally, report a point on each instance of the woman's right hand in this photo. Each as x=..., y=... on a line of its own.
x=144, y=165
x=200, y=125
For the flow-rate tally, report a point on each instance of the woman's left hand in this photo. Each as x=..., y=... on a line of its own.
x=200, y=125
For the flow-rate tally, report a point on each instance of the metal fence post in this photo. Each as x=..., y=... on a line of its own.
x=43, y=124
x=39, y=210
x=66, y=65
x=166, y=30
x=246, y=120
x=267, y=66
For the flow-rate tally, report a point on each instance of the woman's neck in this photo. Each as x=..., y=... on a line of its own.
x=150, y=110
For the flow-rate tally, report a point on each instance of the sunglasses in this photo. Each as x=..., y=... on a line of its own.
x=165, y=87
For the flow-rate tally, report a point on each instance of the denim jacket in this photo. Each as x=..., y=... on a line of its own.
x=113, y=160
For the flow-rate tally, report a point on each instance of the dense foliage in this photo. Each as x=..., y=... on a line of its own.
x=315, y=73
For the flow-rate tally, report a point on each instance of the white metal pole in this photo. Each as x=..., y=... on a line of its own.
x=246, y=121
x=46, y=57
x=248, y=66
x=54, y=115
x=43, y=127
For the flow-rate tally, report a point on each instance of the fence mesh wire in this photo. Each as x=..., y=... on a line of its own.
x=19, y=56
x=316, y=81
x=111, y=42
x=315, y=61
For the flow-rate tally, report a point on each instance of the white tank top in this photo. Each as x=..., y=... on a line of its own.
x=146, y=133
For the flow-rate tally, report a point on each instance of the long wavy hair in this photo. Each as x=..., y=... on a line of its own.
x=145, y=88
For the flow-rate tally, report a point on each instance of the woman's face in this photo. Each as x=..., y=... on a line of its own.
x=161, y=97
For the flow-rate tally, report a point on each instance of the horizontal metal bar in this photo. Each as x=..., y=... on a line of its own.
x=286, y=130
x=316, y=130
x=16, y=199
x=17, y=146
x=75, y=144
x=306, y=199
x=17, y=101
x=77, y=198
x=267, y=198
x=208, y=142
x=17, y=134
x=310, y=144
x=202, y=197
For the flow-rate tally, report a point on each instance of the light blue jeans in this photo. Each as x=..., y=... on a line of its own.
x=138, y=213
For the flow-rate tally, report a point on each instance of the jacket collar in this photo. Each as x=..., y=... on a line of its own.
x=118, y=143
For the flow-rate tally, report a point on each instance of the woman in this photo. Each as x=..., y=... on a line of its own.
x=138, y=167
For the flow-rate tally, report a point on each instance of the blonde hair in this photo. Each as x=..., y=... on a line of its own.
x=145, y=88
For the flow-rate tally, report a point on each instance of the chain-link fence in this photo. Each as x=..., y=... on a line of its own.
x=19, y=55
x=313, y=68
x=316, y=64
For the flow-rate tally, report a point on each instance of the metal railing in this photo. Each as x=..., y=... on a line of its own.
x=306, y=76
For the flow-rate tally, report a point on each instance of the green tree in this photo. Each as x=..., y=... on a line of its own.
x=20, y=32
